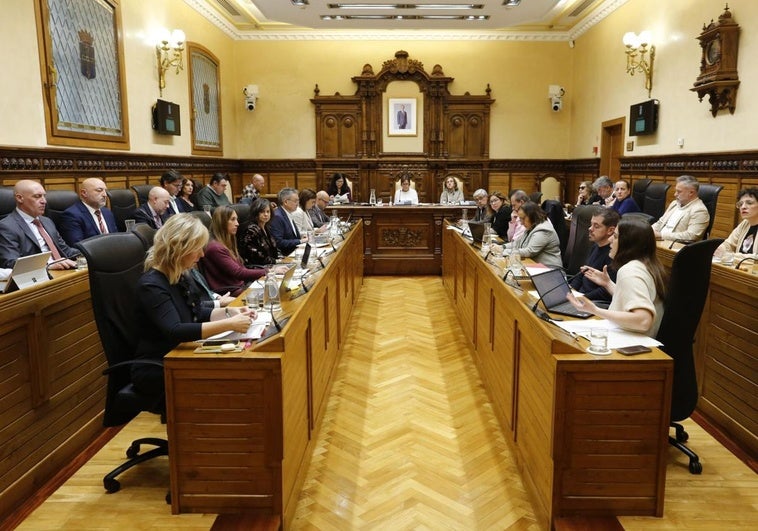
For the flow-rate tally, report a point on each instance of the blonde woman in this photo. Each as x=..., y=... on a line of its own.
x=171, y=307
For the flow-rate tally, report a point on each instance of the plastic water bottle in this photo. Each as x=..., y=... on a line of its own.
x=271, y=300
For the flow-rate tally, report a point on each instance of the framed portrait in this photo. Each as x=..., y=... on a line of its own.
x=82, y=73
x=205, y=109
x=401, y=117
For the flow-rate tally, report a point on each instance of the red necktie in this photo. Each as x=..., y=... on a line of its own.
x=48, y=239
x=100, y=222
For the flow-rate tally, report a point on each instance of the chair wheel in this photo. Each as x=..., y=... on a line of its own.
x=111, y=485
x=682, y=436
x=132, y=451
x=695, y=467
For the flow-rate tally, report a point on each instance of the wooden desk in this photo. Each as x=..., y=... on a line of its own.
x=402, y=240
x=52, y=392
x=589, y=433
x=241, y=427
x=726, y=357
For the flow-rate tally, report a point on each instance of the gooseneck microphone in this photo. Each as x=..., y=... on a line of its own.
x=753, y=258
x=544, y=315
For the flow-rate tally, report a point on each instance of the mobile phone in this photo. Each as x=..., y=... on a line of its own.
x=634, y=349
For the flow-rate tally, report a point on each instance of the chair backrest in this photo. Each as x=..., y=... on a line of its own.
x=397, y=185
x=145, y=233
x=115, y=263
x=579, y=245
x=204, y=218
x=243, y=213
x=7, y=201
x=535, y=197
x=685, y=299
x=554, y=211
x=638, y=191
x=550, y=187
x=122, y=203
x=142, y=191
x=58, y=201
x=709, y=195
x=645, y=217
x=655, y=199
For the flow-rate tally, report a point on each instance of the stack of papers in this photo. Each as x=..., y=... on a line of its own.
x=617, y=338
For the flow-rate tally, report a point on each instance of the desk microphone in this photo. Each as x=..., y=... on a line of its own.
x=684, y=242
x=753, y=258
x=333, y=247
x=539, y=313
x=320, y=261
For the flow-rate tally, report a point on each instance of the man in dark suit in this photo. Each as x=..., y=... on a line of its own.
x=317, y=214
x=25, y=231
x=172, y=182
x=402, y=118
x=154, y=211
x=88, y=217
x=282, y=226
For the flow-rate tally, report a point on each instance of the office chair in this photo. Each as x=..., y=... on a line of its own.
x=645, y=217
x=142, y=191
x=243, y=213
x=57, y=202
x=709, y=195
x=115, y=263
x=687, y=291
x=554, y=211
x=122, y=203
x=535, y=197
x=638, y=191
x=145, y=233
x=579, y=245
x=204, y=218
x=655, y=200
x=7, y=201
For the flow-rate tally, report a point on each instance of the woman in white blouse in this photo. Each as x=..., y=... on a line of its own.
x=406, y=196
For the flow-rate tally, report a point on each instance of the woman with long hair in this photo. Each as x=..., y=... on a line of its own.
x=338, y=190
x=257, y=246
x=502, y=214
x=183, y=199
x=583, y=196
x=172, y=308
x=639, y=291
x=539, y=240
x=451, y=195
x=222, y=264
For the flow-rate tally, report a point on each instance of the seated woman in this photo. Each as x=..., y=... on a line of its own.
x=406, y=195
x=183, y=199
x=171, y=307
x=338, y=190
x=585, y=191
x=451, y=194
x=743, y=240
x=502, y=214
x=623, y=202
x=640, y=288
x=301, y=216
x=539, y=240
x=222, y=265
x=256, y=245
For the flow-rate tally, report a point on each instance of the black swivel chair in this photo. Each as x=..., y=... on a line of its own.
x=655, y=200
x=204, y=218
x=142, y=191
x=57, y=202
x=579, y=245
x=638, y=191
x=645, y=217
x=145, y=233
x=554, y=211
x=7, y=201
x=535, y=197
x=709, y=195
x=687, y=291
x=122, y=203
x=115, y=263
x=243, y=213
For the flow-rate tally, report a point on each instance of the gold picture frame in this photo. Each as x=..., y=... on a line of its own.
x=205, y=101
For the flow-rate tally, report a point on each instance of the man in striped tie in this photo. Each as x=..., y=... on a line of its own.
x=25, y=231
x=88, y=217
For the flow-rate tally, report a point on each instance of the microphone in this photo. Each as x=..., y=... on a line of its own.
x=753, y=258
x=320, y=261
x=544, y=315
x=685, y=242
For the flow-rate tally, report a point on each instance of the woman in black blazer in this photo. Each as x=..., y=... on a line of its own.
x=501, y=216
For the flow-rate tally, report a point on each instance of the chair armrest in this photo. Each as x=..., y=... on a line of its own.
x=128, y=363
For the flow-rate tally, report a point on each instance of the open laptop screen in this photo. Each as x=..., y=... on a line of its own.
x=552, y=287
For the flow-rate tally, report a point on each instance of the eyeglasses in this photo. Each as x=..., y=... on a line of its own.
x=582, y=187
x=495, y=200
x=745, y=202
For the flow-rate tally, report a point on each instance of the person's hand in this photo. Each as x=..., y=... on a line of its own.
x=601, y=278
x=225, y=300
x=241, y=318
x=62, y=264
x=280, y=269
x=496, y=249
x=581, y=303
x=322, y=229
x=718, y=252
x=657, y=235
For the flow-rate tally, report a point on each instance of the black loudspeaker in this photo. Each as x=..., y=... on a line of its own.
x=643, y=118
x=166, y=118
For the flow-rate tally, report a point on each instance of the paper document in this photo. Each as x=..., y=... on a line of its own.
x=617, y=338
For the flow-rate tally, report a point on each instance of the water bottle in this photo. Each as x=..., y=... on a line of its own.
x=271, y=300
x=372, y=197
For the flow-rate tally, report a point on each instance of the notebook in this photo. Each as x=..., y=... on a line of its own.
x=28, y=271
x=553, y=288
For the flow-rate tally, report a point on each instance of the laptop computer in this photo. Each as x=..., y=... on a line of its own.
x=477, y=231
x=553, y=288
x=27, y=271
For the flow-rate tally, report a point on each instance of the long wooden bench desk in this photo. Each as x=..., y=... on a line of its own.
x=589, y=433
x=241, y=426
x=726, y=356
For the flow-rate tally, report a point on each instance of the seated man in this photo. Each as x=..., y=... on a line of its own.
x=317, y=213
x=282, y=226
x=253, y=191
x=25, y=231
x=88, y=217
x=172, y=182
x=483, y=212
x=603, y=187
x=686, y=218
x=154, y=211
x=602, y=228
x=214, y=194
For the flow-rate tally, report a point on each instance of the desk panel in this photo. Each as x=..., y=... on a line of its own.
x=589, y=434
x=242, y=426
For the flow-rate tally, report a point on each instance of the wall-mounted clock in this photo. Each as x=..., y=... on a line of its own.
x=718, y=77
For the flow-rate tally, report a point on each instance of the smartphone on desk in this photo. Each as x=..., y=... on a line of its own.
x=634, y=349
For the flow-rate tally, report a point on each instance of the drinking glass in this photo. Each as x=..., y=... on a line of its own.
x=599, y=341
x=130, y=223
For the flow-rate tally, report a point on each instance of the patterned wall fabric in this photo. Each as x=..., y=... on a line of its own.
x=205, y=101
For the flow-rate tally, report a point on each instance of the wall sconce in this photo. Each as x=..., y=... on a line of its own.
x=169, y=53
x=636, y=52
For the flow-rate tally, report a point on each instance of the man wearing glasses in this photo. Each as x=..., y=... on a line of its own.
x=282, y=225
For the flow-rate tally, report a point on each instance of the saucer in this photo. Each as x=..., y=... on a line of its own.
x=599, y=352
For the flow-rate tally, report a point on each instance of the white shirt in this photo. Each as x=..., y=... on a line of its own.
x=406, y=197
x=30, y=221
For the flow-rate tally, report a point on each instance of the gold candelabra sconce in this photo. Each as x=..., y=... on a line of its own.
x=169, y=52
x=640, y=55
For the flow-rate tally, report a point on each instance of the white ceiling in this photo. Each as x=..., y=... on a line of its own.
x=550, y=19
